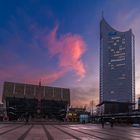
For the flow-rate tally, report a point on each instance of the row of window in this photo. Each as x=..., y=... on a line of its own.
x=116, y=60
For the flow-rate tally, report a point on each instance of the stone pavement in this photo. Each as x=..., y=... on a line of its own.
x=67, y=132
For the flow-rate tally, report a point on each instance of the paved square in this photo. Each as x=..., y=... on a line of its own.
x=67, y=132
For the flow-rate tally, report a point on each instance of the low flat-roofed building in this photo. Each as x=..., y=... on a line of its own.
x=43, y=101
x=109, y=107
x=73, y=115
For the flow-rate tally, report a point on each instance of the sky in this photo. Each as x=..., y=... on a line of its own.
x=57, y=42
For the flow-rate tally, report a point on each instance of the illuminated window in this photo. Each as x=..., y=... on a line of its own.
x=119, y=54
x=111, y=91
x=121, y=48
x=109, y=63
x=122, y=78
x=117, y=51
x=112, y=67
x=116, y=60
x=116, y=37
x=115, y=44
x=123, y=64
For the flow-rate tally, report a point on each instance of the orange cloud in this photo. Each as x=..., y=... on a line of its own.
x=69, y=49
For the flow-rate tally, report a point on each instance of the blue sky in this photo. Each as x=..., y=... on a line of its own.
x=57, y=41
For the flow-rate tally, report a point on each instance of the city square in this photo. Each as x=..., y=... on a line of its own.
x=70, y=70
x=67, y=132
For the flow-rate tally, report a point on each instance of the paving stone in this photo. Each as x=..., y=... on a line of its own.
x=67, y=132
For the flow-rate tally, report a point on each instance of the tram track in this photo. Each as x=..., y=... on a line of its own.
x=75, y=137
x=49, y=136
x=106, y=130
x=86, y=133
x=23, y=136
x=4, y=126
x=9, y=130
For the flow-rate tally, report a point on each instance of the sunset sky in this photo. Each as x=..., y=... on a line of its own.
x=57, y=41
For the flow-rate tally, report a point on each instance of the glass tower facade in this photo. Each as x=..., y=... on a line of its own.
x=117, y=64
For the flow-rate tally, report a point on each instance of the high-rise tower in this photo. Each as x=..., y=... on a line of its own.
x=117, y=68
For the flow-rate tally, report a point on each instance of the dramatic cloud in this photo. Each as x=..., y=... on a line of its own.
x=69, y=48
x=25, y=59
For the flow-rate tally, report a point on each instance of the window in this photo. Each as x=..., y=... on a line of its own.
x=116, y=60
x=118, y=65
x=115, y=44
x=111, y=91
x=119, y=54
x=116, y=37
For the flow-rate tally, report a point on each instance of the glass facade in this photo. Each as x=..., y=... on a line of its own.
x=117, y=65
x=39, y=101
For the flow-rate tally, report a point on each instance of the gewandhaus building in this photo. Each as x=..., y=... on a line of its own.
x=39, y=101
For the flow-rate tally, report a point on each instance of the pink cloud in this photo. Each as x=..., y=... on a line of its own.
x=69, y=48
x=25, y=74
x=46, y=78
x=13, y=71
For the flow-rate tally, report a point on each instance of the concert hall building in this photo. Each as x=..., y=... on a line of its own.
x=39, y=101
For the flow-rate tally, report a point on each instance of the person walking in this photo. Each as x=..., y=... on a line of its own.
x=102, y=122
x=27, y=117
x=111, y=122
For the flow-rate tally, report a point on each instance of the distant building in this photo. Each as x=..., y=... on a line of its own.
x=39, y=101
x=117, y=69
x=73, y=115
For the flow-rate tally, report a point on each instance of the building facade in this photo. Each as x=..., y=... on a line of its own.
x=139, y=103
x=39, y=101
x=117, y=67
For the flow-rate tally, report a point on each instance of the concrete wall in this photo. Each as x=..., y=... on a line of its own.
x=29, y=91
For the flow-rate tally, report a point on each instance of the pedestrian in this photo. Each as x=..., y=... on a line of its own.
x=111, y=122
x=102, y=122
x=26, y=117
